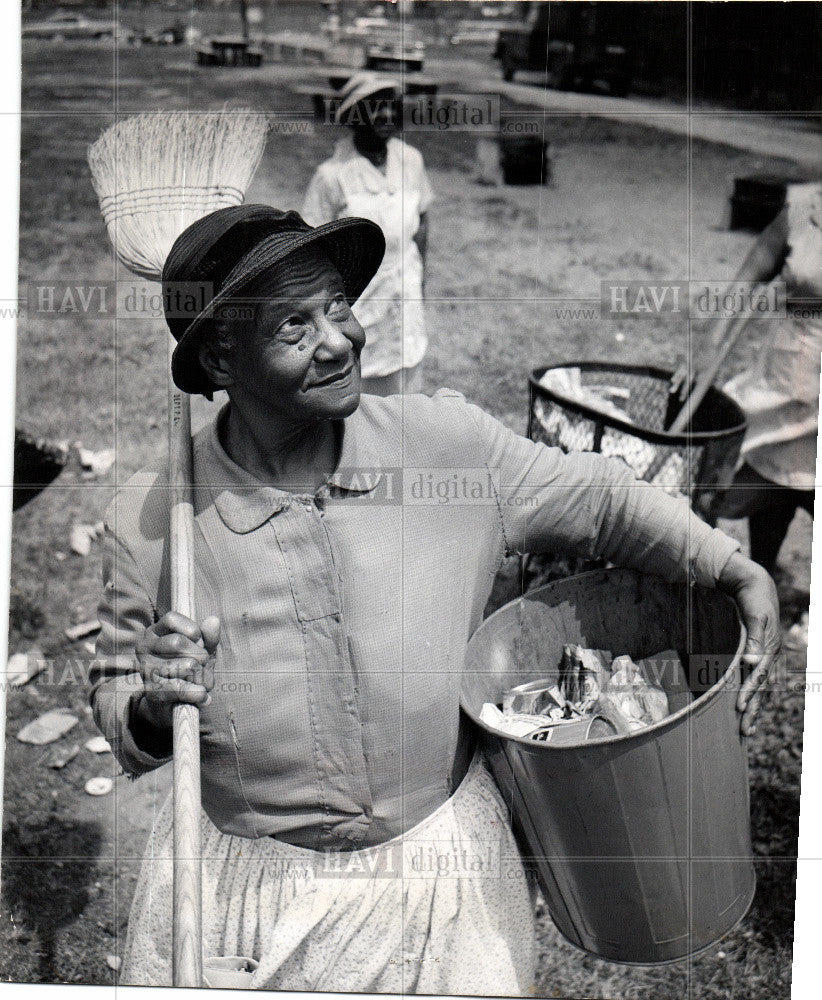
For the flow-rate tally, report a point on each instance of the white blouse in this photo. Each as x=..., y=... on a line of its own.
x=780, y=392
x=391, y=308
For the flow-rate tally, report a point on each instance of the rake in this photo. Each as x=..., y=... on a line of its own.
x=154, y=175
x=728, y=333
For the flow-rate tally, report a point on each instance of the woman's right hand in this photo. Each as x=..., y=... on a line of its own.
x=176, y=661
x=681, y=381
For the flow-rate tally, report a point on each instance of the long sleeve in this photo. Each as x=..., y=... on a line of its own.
x=125, y=610
x=585, y=504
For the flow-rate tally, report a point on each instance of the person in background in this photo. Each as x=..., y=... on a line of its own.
x=374, y=175
x=780, y=391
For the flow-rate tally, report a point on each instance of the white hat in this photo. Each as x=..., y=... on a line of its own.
x=362, y=85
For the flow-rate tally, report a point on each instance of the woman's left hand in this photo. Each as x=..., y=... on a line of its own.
x=755, y=594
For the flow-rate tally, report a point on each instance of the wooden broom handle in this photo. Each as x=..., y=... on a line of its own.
x=187, y=937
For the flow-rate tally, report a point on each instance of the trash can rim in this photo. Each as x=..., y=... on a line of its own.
x=654, y=728
x=654, y=436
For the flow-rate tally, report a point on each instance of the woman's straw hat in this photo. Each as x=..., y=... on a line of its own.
x=217, y=257
x=363, y=85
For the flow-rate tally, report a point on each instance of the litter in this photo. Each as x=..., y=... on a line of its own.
x=47, y=728
x=573, y=732
x=567, y=382
x=99, y=786
x=628, y=696
x=75, y=632
x=513, y=724
x=22, y=667
x=596, y=695
x=81, y=537
x=665, y=670
x=98, y=744
x=98, y=462
x=79, y=541
x=574, y=729
x=796, y=638
x=114, y=962
x=60, y=756
x=570, y=435
x=583, y=673
x=534, y=698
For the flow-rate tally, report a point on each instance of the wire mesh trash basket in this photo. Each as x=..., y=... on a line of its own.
x=641, y=842
x=698, y=464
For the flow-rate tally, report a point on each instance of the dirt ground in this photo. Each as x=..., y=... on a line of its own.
x=625, y=202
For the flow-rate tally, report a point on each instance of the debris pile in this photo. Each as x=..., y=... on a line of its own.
x=595, y=695
x=567, y=382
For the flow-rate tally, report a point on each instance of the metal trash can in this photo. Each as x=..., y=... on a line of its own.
x=641, y=842
x=757, y=199
x=524, y=159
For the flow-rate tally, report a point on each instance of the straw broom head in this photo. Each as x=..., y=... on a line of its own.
x=157, y=173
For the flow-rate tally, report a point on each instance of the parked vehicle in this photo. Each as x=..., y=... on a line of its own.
x=475, y=33
x=175, y=34
x=577, y=44
x=388, y=45
x=366, y=24
x=63, y=25
x=229, y=50
x=394, y=53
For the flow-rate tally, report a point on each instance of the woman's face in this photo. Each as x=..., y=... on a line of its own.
x=300, y=355
x=375, y=117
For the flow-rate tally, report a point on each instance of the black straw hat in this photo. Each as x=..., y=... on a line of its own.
x=220, y=254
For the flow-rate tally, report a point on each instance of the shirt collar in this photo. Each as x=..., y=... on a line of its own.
x=245, y=503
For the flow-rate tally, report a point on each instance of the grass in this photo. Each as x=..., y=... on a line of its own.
x=499, y=258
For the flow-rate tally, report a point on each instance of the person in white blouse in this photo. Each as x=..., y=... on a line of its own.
x=779, y=392
x=373, y=174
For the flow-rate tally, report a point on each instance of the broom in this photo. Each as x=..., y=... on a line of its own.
x=155, y=174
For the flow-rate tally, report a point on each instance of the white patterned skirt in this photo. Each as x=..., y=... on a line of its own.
x=443, y=909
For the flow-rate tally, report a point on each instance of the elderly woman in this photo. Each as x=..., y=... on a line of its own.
x=333, y=618
x=375, y=175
